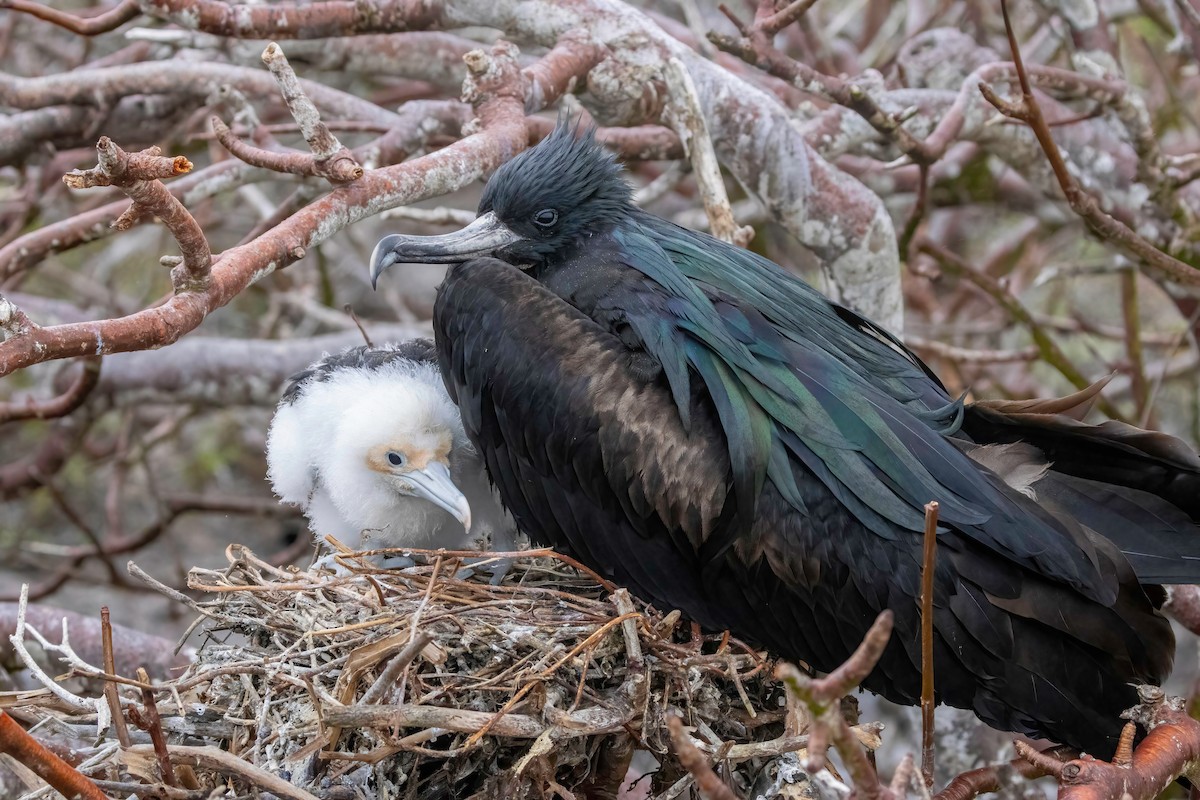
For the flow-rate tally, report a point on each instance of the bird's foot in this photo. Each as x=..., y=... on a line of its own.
x=329, y=562
x=391, y=562
x=498, y=568
x=395, y=561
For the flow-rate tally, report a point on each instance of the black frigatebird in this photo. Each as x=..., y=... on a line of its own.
x=700, y=426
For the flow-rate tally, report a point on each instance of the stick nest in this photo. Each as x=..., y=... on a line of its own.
x=420, y=683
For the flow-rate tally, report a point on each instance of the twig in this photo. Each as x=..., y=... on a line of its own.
x=97, y=706
x=927, y=697
x=1133, y=345
x=919, y=210
x=771, y=23
x=331, y=159
x=967, y=355
x=755, y=47
x=822, y=698
x=72, y=398
x=687, y=118
x=230, y=764
x=1050, y=351
x=444, y=215
x=112, y=19
x=53, y=770
x=391, y=673
x=110, y=688
x=633, y=644
x=138, y=176
x=148, y=721
x=1102, y=224
x=989, y=779
x=710, y=786
x=292, y=161
x=349, y=309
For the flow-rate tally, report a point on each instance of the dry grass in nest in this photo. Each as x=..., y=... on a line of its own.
x=418, y=684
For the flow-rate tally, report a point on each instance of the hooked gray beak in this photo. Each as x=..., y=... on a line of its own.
x=435, y=485
x=483, y=237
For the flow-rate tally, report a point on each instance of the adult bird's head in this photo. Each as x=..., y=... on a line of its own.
x=535, y=206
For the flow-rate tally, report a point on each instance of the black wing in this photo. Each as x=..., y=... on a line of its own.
x=361, y=357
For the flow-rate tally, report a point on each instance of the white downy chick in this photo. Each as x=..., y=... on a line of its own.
x=370, y=446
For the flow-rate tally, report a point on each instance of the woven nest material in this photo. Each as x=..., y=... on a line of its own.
x=417, y=683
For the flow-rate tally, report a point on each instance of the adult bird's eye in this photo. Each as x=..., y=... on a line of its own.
x=395, y=459
x=546, y=217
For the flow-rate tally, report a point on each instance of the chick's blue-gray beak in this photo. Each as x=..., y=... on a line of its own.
x=434, y=484
x=483, y=237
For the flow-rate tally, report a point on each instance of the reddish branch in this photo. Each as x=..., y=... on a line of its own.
x=1170, y=750
x=72, y=398
x=710, y=785
x=755, y=47
x=989, y=779
x=927, y=696
x=330, y=158
x=822, y=698
x=310, y=21
x=291, y=161
x=496, y=88
x=84, y=26
x=411, y=128
x=138, y=176
x=110, y=687
x=556, y=73
x=47, y=766
x=1102, y=224
x=148, y=720
x=637, y=143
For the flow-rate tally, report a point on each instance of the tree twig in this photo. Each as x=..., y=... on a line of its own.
x=72, y=398
x=110, y=688
x=1107, y=227
x=687, y=118
x=928, y=562
x=138, y=176
x=49, y=767
x=822, y=697
x=330, y=158
x=711, y=787
x=110, y=20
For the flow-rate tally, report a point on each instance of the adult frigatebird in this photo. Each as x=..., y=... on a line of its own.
x=697, y=424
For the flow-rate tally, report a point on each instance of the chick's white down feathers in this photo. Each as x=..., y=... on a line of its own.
x=341, y=412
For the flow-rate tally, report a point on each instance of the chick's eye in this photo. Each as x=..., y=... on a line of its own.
x=395, y=459
x=546, y=217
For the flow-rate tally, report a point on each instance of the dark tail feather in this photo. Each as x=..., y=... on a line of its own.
x=1110, y=453
x=1139, y=489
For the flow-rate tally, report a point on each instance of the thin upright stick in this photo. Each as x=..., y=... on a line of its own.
x=110, y=688
x=930, y=554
